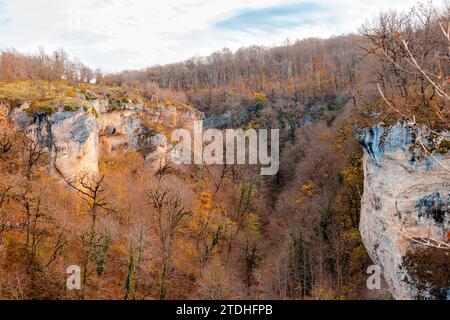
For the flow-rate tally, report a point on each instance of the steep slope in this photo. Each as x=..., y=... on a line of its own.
x=406, y=197
x=76, y=131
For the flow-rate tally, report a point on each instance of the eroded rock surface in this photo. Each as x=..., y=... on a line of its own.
x=74, y=138
x=406, y=198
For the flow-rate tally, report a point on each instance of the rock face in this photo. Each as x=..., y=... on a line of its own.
x=406, y=198
x=75, y=137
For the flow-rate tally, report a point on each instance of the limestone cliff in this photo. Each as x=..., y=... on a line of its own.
x=75, y=136
x=406, y=197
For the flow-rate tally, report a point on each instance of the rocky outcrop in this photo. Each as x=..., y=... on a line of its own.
x=406, y=197
x=74, y=137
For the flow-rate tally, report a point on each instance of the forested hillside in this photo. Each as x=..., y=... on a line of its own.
x=143, y=229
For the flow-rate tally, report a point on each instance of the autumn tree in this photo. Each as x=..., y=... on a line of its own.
x=168, y=212
x=412, y=60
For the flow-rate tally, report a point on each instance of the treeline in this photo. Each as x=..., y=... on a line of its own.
x=410, y=63
x=42, y=66
x=219, y=232
x=307, y=70
x=404, y=55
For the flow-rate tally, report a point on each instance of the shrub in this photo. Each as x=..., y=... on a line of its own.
x=70, y=108
x=95, y=112
x=49, y=110
x=429, y=271
x=70, y=93
x=444, y=146
x=260, y=98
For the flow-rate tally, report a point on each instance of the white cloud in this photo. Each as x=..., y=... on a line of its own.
x=128, y=34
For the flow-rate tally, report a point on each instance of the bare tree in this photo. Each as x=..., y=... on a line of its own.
x=412, y=51
x=168, y=214
x=38, y=225
x=34, y=153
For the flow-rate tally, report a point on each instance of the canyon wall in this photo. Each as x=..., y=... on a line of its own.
x=406, y=197
x=74, y=137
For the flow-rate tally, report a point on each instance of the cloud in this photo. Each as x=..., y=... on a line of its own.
x=5, y=21
x=114, y=59
x=131, y=34
x=273, y=18
x=129, y=21
x=82, y=38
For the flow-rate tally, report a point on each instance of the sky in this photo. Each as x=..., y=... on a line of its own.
x=115, y=35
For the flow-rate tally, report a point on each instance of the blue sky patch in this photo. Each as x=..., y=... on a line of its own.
x=278, y=17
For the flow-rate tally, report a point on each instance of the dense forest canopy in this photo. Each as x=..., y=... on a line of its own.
x=219, y=232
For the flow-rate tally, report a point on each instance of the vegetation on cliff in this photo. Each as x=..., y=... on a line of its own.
x=221, y=231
